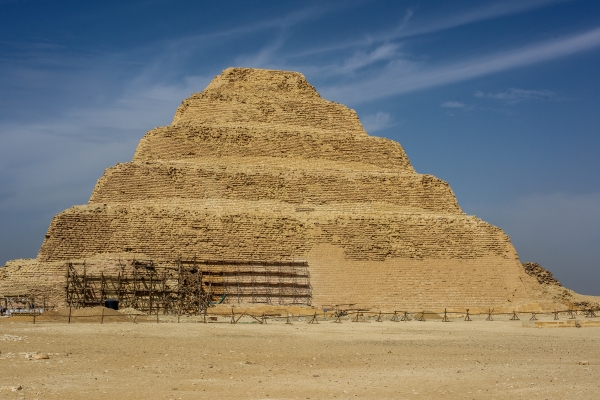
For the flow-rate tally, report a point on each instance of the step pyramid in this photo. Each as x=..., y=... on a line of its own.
x=259, y=167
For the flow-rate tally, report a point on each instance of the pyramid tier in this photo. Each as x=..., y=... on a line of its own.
x=180, y=142
x=270, y=179
x=254, y=98
x=267, y=230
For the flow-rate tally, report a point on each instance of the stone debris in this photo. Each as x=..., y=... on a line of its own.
x=131, y=311
x=11, y=388
x=12, y=338
x=542, y=275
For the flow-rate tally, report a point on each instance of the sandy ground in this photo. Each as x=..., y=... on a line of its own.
x=369, y=360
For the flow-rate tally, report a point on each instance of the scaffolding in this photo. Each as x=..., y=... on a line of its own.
x=252, y=281
x=144, y=286
x=190, y=286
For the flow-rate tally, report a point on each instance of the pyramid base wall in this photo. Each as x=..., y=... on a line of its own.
x=393, y=284
x=417, y=284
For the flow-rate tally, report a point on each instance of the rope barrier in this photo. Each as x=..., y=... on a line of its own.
x=354, y=315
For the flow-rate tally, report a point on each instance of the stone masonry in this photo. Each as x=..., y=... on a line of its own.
x=259, y=167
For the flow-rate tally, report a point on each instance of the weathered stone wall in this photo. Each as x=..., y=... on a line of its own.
x=266, y=230
x=43, y=281
x=476, y=283
x=214, y=178
x=261, y=98
x=180, y=142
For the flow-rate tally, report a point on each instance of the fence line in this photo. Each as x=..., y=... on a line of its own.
x=336, y=316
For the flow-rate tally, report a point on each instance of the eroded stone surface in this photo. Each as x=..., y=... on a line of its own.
x=259, y=167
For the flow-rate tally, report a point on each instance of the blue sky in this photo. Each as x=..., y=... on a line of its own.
x=499, y=98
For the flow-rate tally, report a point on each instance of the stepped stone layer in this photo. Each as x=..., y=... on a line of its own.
x=259, y=167
x=227, y=178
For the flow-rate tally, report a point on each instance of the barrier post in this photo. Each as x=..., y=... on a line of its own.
x=445, y=319
x=533, y=317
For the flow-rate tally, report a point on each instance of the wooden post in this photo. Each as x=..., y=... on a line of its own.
x=179, y=289
x=84, y=286
x=102, y=318
x=150, y=297
x=134, y=299
x=445, y=319
x=157, y=315
x=68, y=292
x=533, y=317
x=314, y=319
x=164, y=296
x=69, y=321
x=199, y=301
x=102, y=288
x=119, y=287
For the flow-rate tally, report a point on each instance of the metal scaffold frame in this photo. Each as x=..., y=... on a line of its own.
x=190, y=286
x=253, y=281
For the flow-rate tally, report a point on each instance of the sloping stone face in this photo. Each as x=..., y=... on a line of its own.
x=259, y=167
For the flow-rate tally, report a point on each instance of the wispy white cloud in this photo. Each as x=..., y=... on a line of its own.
x=362, y=59
x=355, y=62
x=403, y=76
x=453, y=104
x=487, y=12
x=190, y=44
x=411, y=26
x=377, y=122
x=264, y=57
x=514, y=95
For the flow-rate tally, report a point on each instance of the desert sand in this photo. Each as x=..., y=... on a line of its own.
x=498, y=359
